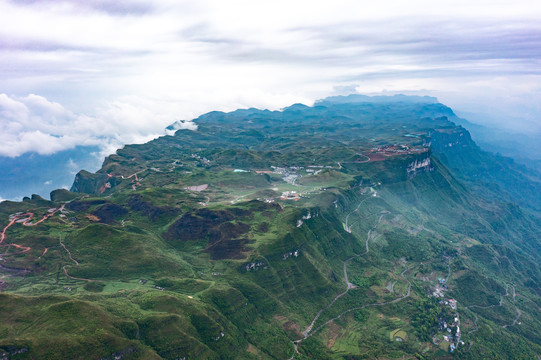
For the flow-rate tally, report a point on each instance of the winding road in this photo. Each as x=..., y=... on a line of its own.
x=135, y=182
x=349, y=285
x=358, y=162
x=309, y=330
x=72, y=259
x=491, y=306
x=515, y=320
x=25, y=220
x=348, y=228
x=448, y=270
x=408, y=293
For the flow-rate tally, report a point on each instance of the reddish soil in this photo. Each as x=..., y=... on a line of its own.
x=92, y=217
x=28, y=216
x=72, y=277
x=3, y=235
x=377, y=157
x=44, y=252
x=72, y=259
x=334, y=332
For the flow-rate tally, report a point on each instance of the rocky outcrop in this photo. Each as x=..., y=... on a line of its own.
x=418, y=166
x=447, y=140
x=254, y=266
x=63, y=195
x=12, y=350
x=118, y=355
x=97, y=184
x=292, y=253
x=306, y=217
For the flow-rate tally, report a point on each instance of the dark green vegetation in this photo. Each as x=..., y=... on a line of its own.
x=343, y=230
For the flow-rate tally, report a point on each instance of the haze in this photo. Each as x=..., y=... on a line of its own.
x=102, y=73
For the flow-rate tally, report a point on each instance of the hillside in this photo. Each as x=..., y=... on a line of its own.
x=352, y=229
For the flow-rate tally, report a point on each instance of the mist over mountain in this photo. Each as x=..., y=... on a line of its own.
x=172, y=188
x=32, y=173
x=377, y=99
x=352, y=228
x=521, y=146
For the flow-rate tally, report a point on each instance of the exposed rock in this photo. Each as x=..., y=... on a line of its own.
x=63, y=195
x=118, y=355
x=254, y=266
x=86, y=182
x=14, y=350
x=294, y=253
x=219, y=336
x=418, y=166
x=307, y=217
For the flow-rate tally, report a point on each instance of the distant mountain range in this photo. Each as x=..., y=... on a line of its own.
x=33, y=173
x=523, y=148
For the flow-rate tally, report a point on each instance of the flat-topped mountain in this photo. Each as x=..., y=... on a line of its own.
x=354, y=228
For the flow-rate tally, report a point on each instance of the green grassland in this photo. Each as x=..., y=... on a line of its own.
x=167, y=252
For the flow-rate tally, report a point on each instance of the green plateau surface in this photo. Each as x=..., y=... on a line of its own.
x=352, y=229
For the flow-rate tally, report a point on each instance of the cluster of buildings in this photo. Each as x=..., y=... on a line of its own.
x=314, y=172
x=289, y=174
x=449, y=325
x=203, y=160
x=450, y=329
x=440, y=288
x=397, y=149
x=290, y=195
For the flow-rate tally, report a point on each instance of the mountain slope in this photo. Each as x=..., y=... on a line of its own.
x=343, y=230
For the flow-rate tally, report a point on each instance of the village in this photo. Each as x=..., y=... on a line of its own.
x=380, y=153
x=448, y=335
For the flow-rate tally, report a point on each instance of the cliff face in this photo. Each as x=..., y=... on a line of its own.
x=191, y=246
x=456, y=149
x=89, y=183
x=451, y=140
x=418, y=166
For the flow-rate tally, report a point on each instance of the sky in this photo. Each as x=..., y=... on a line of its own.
x=107, y=73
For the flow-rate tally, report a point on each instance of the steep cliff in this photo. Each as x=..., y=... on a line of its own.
x=508, y=179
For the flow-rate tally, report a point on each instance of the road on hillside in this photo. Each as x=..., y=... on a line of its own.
x=309, y=332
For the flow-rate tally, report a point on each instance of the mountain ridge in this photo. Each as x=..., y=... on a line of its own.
x=313, y=232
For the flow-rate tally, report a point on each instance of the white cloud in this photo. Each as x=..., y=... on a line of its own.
x=34, y=124
x=135, y=67
x=72, y=166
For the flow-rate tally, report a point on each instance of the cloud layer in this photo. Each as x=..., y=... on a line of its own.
x=35, y=124
x=116, y=72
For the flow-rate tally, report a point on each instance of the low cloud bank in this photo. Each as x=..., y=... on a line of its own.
x=35, y=124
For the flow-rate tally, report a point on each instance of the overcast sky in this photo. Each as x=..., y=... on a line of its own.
x=101, y=72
